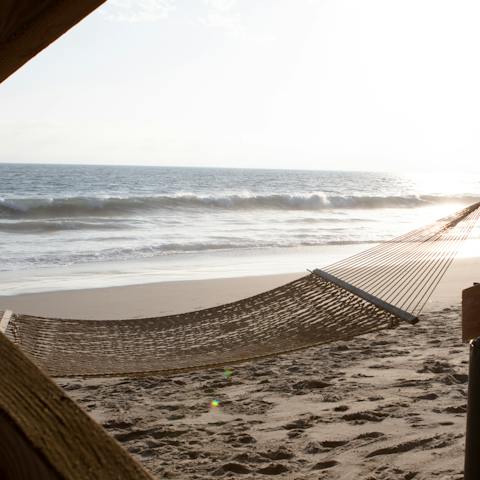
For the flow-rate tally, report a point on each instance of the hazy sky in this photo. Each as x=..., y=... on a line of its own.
x=327, y=84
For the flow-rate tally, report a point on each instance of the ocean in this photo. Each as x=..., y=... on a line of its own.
x=78, y=226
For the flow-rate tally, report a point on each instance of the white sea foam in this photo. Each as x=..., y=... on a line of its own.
x=69, y=207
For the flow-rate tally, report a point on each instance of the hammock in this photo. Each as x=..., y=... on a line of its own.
x=368, y=292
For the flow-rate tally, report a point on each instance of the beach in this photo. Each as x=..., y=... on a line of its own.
x=388, y=405
x=111, y=242
x=227, y=232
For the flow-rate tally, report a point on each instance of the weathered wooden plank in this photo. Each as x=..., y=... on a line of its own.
x=471, y=312
x=18, y=460
x=7, y=315
x=45, y=435
x=29, y=26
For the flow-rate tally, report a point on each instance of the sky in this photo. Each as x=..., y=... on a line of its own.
x=320, y=84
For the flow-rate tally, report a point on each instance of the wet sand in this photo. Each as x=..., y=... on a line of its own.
x=147, y=300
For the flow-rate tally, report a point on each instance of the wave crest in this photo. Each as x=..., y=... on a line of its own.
x=117, y=206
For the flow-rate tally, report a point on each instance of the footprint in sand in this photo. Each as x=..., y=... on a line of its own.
x=428, y=443
x=370, y=435
x=385, y=472
x=427, y=396
x=401, y=447
x=117, y=424
x=307, y=386
x=249, y=458
x=331, y=444
x=362, y=417
x=300, y=424
x=312, y=448
x=457, y=409
x=273, y=469
x=281, y=453
x=324, y=465
x=231, y=467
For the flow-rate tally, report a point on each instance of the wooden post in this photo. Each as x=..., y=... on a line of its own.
x=471, y=333
x=45, y=435
x=471, y=312
x=472, y=438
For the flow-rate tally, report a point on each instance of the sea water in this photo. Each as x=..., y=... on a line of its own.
x=77, y=226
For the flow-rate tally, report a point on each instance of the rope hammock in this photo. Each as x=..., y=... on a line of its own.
x=368, y=292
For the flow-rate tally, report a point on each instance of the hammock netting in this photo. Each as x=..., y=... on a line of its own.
x=368, y=292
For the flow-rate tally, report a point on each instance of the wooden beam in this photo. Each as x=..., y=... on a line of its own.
x=17, y=458
x=471, y=313
x=27, y=27
x=45, y=435
x=7, y=315
x=472, y=439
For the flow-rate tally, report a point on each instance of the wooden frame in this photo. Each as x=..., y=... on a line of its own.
x=46, y=435
x=29, y=26
x=471, y=313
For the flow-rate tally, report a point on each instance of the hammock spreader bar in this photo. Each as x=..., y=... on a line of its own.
x=378, y=302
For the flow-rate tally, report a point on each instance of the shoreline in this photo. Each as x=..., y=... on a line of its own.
x=173, y=268
x=171, y=297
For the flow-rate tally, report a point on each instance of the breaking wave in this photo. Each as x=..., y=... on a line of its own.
x=50, y=226
x=117, y=206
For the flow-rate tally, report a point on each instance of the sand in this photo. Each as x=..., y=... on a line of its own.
x=389, y=405
x=384, y=406
x=147, y=300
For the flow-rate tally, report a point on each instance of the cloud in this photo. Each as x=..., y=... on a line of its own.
x=224, y=15
x=138, y=10
x=230, y=23
x=221, y=5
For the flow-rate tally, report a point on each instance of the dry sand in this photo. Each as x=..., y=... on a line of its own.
x=389, y=405
x=384, y=406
